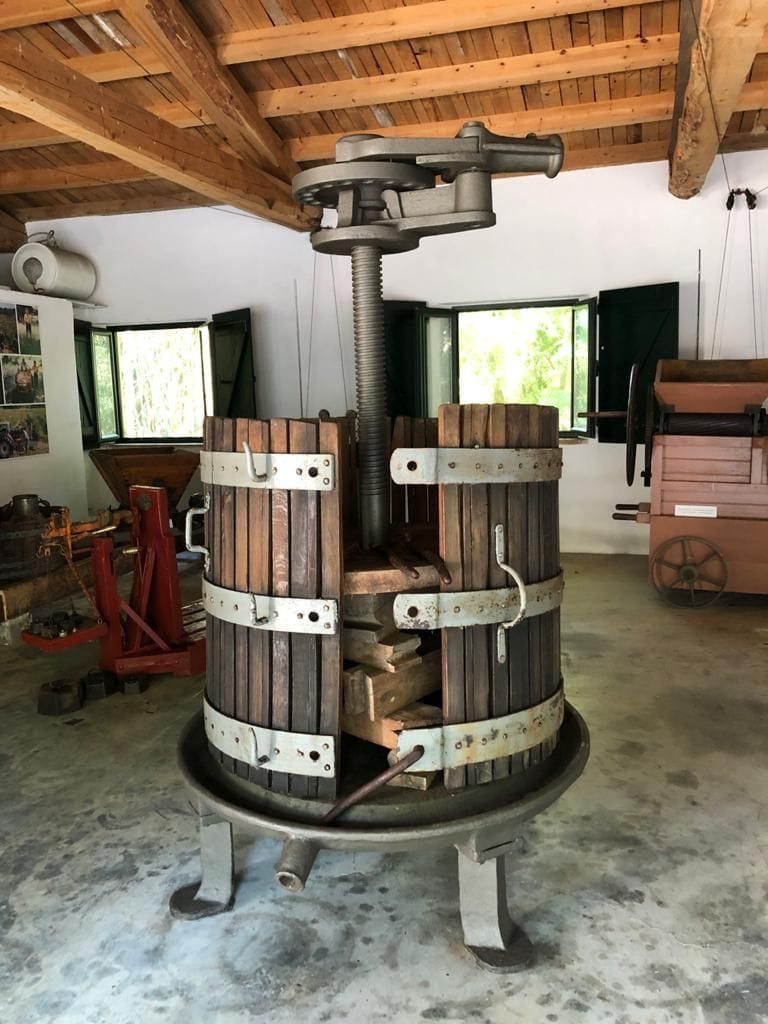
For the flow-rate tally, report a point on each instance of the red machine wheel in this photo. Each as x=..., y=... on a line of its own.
x=689, y=572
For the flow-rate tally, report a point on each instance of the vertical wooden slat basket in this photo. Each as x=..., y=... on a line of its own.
x=289, y=543
x=285, y=543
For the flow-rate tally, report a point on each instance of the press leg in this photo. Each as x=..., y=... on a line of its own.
x=215, y=893
x=490, y=934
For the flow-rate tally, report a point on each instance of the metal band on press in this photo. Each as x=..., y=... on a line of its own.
x=475, y=465
x=277, y=614
x=453, y=746
x=417, y=610
x=276, y=750
x=277, y=472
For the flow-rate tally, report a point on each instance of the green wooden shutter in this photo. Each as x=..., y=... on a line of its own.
x=404, y=346
x=232, y=364
x=636, y=325
x=86, y=391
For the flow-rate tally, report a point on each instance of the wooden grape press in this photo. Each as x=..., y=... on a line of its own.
x=383, y=599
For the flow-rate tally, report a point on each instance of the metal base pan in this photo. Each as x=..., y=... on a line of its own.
x=478, y=819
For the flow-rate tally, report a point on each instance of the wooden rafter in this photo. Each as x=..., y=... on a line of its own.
x=173, y=34
x=107, y=207
x=322, y=34
x=477, y=76
x=95, y=174
x=18, y=13
x=542, y=121
x=12, y=232
x=722, y=40
x=37, y=87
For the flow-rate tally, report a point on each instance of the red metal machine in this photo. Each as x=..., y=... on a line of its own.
x=151, y=632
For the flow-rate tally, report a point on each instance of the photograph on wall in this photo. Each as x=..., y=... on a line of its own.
x=28, y=330
x=22, y=380
x=9, y=339
x=23, y=431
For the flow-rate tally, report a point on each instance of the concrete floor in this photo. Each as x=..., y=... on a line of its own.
x=645, y=888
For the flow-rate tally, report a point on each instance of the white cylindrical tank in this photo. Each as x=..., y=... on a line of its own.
x=52, y=271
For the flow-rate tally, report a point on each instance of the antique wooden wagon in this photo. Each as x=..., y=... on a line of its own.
x=706, y=464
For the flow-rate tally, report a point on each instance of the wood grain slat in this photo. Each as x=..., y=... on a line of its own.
x=281, y=585
x=454, y=703
x=331, y=440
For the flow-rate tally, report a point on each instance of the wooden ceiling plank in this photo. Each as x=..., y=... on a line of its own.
x=96, y=174
x=168, y=28
x=41, y=89
x=475, y=77
x=544, y=121
x=12, y=232
x=19, y=13
x=720, y=58
x=104, y=208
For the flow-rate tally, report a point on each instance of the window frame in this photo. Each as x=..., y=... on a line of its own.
x=113, y=330
x=588, y=431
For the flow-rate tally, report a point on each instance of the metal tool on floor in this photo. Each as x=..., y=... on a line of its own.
x=321, y=538
x=150, y=632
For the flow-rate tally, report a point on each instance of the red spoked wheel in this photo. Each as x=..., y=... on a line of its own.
x=689, y=572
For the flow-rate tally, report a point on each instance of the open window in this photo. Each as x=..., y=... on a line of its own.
x=575, y=354
x=124, y=374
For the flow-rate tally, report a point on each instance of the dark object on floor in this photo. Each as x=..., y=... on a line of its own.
x=61, y=697
x=49, y=623
x=98, y=684
x=134, y=685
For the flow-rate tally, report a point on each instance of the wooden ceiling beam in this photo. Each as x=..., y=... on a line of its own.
x=20, y=13
x=722, y=41
x=12, y=232
x=109, y=207
x=327, y=34
x=614, y=156
x=174, y=35
x=95, y=174
x=42, y=89
x=542, y=121
x=477, y=76
x=573, y=117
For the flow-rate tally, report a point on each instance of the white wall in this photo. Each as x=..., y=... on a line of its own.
x=583, y=232
x=58, y=476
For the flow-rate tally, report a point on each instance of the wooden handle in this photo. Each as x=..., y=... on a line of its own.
x=602, y=415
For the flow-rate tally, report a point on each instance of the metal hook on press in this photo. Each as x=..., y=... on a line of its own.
x=501, y=632
x=250, y=468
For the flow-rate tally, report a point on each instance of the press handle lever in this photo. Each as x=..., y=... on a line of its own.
x=198, y=549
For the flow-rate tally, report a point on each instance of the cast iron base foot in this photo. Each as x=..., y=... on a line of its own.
x=516, y=957
x=185, y=904
x=215, y=892
x=490, y=934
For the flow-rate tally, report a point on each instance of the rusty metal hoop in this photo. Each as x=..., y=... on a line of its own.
x=678, y=574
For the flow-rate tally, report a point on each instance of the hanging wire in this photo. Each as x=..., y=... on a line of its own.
x=311, y=330
x=752, y=282
x=298, y=345
x=338, y=334
x=720, y=285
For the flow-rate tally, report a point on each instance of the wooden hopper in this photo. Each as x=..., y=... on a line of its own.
x=122, y=466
